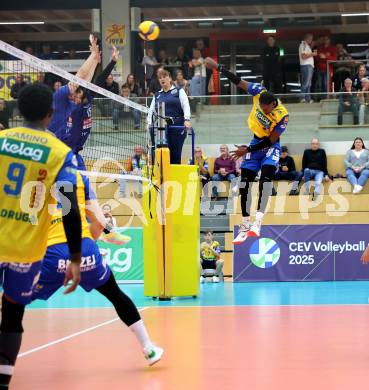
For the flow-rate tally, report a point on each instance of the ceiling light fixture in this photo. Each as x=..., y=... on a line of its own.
x=192, y=20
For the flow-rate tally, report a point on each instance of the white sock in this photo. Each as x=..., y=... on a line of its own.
x=259, y=216
x=139, y=329
x=246, y=221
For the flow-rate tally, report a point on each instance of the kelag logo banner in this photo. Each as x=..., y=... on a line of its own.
x=126, y=261
x=302, y=253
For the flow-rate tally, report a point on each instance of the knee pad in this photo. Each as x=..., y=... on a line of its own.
x=11, y=317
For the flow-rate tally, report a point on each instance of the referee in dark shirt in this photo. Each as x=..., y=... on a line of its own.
x=314, y=166
x=272, y=70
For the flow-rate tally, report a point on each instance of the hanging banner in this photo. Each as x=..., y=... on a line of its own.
x=115, y=34
x=303, y=253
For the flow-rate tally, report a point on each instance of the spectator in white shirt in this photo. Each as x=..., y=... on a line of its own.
x=198, y=82
x=151, y=63
x=306, y=56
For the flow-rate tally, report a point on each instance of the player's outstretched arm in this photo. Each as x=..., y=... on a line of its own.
x=100, y=80
x=211, y=64
x=87, y=70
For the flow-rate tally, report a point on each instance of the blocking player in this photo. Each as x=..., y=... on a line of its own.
x=267, y=121
x=68, y=97
x=95, y=273
x=31, y=161
x=78, y=126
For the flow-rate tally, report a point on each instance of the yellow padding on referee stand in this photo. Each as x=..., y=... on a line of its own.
x=182, y=270
x=171, y=250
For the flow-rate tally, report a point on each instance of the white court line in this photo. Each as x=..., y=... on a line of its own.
x=58, y=341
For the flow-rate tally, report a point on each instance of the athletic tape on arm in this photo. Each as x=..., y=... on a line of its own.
x=48, y=67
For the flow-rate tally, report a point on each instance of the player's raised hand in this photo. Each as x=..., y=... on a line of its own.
x=114, y=54
x=94, y=48
x=365, y=256
x=72, y=273
x=239, y=152
x=210, y=63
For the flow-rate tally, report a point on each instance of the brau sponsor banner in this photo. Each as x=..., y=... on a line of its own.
x=303, y=253
x=126, y=261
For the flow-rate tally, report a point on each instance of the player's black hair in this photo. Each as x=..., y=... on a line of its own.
x=268, y=98
x=35, y=102
x=208, y=231
x=84, y=92
x=284, y=149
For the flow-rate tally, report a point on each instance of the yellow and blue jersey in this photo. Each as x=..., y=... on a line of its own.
x=31, y=162
x=56, y=233
x=206, y=253
x=260, y=124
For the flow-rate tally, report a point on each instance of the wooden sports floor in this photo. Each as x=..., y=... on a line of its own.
x=264, y=336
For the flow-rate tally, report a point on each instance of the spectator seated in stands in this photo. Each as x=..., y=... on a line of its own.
x=163, y=58
x=182, y=61
x=342, y=70
x=107, y=106
x=151, y=64
x=287, y=171
x=357, y=165
x=181, y=82
x=224, y=169
x=202, y=162
x=46, y=53
x=356, y=80
x=348, y=102
x=211, y=263
x=40, y=78
x=154, y=85
x=131, y=83
x=4, y=115
x=122, y=111
x=135, y=166
x=109, y=216
x=314, y=167
x=29, y=50
x=17, y=86
x=60, y=55
x=363, y=99
x=14, y=93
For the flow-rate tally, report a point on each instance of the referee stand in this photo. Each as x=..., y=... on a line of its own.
x=171, y=237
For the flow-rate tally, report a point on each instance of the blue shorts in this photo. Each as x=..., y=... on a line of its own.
x=19, y=279
x=255, y=160
x=94, y=271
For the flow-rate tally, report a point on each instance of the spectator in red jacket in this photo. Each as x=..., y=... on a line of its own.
x=326, y=52
x=224, y=168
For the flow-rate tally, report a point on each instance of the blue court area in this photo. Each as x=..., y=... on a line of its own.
x=229, y=294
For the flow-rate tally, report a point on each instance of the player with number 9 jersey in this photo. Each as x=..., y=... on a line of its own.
x=31, y=162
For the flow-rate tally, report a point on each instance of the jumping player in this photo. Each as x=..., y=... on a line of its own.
x=95, y=274
x=31, y=160
x=68, y=97
x=78, y=126
x=267, y=121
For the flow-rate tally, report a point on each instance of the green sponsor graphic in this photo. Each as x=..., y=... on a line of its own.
x=24, y=150
x=265, y=121
x=126, y=261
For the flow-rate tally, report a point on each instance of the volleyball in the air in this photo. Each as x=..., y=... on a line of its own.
x=148, y=31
